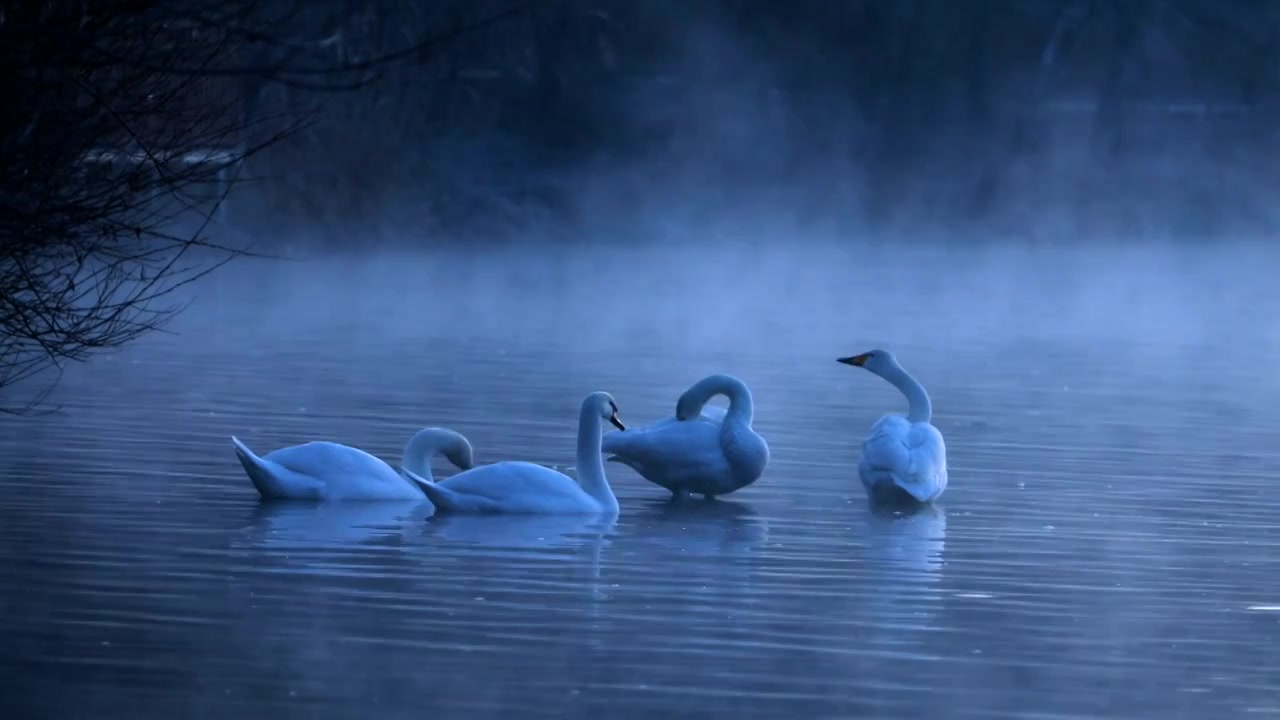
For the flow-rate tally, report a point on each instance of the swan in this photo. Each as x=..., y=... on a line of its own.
x=901, y=456
x=524, y=487
x=329, y=471
x=705, y=450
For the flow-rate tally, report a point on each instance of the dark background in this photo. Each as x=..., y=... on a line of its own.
x=1004, y=116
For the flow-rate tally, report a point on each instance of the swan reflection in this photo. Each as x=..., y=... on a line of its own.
x=295, y=526
x=910, y=540
x=347, y=539
x=496, y=534
x=525, y=557
x=699, y=527
x=904, y=553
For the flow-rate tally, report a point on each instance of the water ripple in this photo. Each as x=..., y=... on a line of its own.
x=1089, y=560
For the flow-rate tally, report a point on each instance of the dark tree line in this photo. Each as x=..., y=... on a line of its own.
x=569, y=79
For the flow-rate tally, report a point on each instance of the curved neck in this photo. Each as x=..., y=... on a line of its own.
x=422, y=447
x=919, y=409
x=741, y=406
x=590, y=462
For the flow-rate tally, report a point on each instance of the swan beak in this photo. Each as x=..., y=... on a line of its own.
x=616, y=422
x=856, y=360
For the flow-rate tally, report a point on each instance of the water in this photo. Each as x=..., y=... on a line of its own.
x=1108, y=546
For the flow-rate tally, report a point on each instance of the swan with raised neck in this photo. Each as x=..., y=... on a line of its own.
x=524, y=487
x=902, y=458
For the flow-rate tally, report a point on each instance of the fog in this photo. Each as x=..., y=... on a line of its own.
x=713, y=176
x=750, y=295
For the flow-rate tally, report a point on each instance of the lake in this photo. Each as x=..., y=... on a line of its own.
x=1108, y=546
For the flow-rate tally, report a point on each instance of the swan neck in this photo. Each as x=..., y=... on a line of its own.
x=741, y=407
x=422, y=447
x=919, y=408
x=590, y=462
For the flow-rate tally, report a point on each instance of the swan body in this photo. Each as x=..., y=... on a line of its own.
x=702, y=449
x=903, y=458
x=330, y=471
x=524, y=487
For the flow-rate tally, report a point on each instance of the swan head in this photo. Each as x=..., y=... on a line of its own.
x=431, y=441
x=459, y=454
x=877, y=361
x=604, y=404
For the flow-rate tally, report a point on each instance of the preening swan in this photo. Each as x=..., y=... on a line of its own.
x=901, y=455
x=701, y=449
x=524, y=487
x=330, y=471
x=430, y=442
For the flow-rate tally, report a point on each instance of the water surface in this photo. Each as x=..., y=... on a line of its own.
x=1108, y=546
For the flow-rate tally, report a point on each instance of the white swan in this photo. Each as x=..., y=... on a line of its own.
x=524, y=487
x=330, y=471
x=701, y=449
x=901, y=455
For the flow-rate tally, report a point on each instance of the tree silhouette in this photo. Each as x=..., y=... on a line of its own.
x=126, y=130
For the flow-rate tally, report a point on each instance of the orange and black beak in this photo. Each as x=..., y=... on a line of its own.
x=856, y=360
x=613, y=419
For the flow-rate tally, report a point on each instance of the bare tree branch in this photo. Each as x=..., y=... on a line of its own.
x=132, y=133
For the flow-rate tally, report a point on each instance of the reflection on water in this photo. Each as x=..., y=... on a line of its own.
x=696, y=526
x=286, y=526
x=908, y=541
x=1108, y=545
x=905, y=555
x=520, y=531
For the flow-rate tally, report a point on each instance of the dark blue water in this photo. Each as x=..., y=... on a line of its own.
x=1108, y=548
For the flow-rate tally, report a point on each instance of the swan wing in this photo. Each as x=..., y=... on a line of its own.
x=713, y=413
x=672, y=451
x=511, y=478
x=664, y=431
x=910, y=455
x=344, y=471
x=274, y=481
x=928, y=455
x=512, y=487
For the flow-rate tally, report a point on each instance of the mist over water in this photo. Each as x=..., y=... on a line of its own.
x=734, y=292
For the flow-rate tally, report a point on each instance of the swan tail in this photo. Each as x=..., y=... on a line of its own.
x=618, y=446
x=887, y=488
x=629, y=462
x=615, y=443
x=922, y=490
x=629, y=450
x=272, y=480
x=447, y=500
